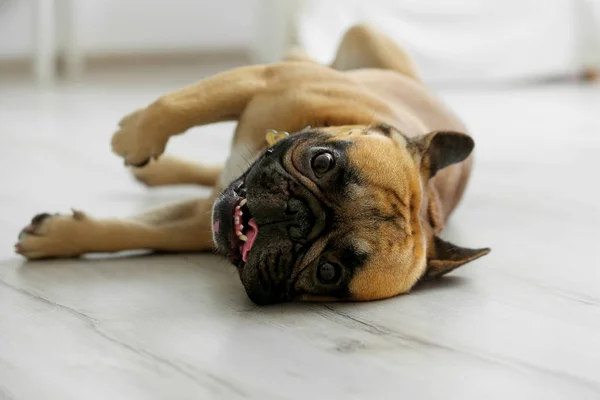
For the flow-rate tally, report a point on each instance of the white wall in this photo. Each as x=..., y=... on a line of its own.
x=15, y=36
x=466, y=40
x=142, y=26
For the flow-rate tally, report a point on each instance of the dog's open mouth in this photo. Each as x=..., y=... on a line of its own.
x=245, y=229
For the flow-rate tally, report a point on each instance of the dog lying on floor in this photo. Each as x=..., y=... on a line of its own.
x=347, y=206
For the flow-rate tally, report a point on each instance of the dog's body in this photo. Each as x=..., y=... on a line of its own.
x=370, y=107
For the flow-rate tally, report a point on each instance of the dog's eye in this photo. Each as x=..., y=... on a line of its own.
x=328, y=273
x=322, y=163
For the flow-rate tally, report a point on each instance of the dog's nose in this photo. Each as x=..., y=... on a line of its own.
x=308, y=216
x=301, y=221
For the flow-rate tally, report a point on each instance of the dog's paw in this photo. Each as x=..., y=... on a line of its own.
x=152, y=174
x=168, y=170
x=138, y=140
x=53, y=236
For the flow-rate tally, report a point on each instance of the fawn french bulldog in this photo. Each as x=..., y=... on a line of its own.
x=354, y=170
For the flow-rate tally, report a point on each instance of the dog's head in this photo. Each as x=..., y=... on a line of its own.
x=336, y=214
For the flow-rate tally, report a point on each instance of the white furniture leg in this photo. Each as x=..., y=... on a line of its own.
x=274, y=30
x=589, y=33
x=68, y=34
x=44, y=41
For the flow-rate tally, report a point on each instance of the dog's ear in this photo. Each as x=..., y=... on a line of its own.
x=437, y=150
x=445, y=257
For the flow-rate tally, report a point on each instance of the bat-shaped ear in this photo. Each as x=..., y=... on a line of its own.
x=448, y=257
x=437, y=150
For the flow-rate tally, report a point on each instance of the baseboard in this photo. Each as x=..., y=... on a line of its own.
x=102, y=62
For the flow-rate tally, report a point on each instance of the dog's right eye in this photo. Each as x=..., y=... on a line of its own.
x=321, y=163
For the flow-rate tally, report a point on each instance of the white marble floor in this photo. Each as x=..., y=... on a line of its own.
x=521, y=323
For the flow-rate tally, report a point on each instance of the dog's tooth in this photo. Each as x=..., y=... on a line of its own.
x=243, y=238
x=237, y=207
x=237, y=220
x=243, y=202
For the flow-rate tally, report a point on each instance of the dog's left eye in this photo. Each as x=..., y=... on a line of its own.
x=321, y=163
x=328, y=273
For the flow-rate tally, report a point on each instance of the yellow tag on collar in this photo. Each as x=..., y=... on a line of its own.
x=273, y=137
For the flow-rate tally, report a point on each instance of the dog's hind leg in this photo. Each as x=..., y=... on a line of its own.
x=169, y=170
x=180, y=227
x=366, y=47
x=298, y=54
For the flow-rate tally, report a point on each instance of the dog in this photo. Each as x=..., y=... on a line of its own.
x=351, y=172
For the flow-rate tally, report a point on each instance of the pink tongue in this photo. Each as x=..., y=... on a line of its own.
x=251, y=234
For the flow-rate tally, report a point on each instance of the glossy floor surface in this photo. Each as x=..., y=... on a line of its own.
x=520, y=323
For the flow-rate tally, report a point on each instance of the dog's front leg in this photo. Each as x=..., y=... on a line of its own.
x=184, y=226
x=144, y=134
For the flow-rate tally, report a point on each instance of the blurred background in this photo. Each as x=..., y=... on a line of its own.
x=453, y=41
